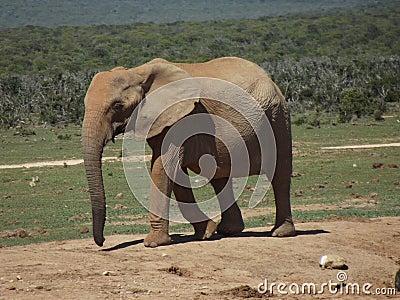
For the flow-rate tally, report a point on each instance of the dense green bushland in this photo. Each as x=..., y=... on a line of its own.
x=344, y=87
x=343, y=64
x=41, y=99
x=347, y=87
x=33, y=50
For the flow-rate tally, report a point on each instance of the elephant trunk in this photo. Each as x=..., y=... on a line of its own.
x=93, y=140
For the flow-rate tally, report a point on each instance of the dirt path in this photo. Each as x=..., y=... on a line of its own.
x=224, y=268
x=362, y=146
x=68, y=162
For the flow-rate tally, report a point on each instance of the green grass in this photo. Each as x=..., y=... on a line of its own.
x=37, y=144
x=58, y=207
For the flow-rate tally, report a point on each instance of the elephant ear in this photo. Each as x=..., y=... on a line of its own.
x=171, y=94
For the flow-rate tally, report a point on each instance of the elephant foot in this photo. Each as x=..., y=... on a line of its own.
x=204, y=230
x=157, y=238
x=230, y=228
x=286, y=229
x=231, y=222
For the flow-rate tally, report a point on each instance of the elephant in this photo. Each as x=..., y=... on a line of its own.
x=112, y=98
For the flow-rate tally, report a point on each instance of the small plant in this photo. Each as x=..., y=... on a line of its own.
x=378, y=115
x=24, y=132
x=314, y=121
x=64, y=137
x=300, y=120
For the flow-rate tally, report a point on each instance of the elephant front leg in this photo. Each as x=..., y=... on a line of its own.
x=203, y=226
x=160, y=193
x=231, y=221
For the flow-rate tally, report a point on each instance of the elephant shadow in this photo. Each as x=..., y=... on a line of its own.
x=185, y=238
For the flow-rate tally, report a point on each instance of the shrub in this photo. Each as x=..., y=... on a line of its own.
x=299, y=120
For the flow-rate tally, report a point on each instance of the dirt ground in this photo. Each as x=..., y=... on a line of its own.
x=223, y=268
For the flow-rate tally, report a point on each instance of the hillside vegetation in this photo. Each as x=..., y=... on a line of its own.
x=18, y=13
x=344, y=64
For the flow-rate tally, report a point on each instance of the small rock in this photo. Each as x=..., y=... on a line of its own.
x=397, y=183
x=354, y=165
x=319, y=186
x=377, y=165
x=373, y=195
x=119, y=206
x=356, y=196
x=77, y=217
x=393, y=166
x=120, y=195
x=32, y=184
x=19, y=277
x=296, y=174
x=84, y=230
x=20, y=233
x=109, y=273
x=248, y=187
x=13, y=223
x=332, y=261
x=298, y=193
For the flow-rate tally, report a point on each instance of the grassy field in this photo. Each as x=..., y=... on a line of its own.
x=328, y=184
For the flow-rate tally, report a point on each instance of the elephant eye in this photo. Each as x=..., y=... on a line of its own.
x=126, y=88
x=118, y=106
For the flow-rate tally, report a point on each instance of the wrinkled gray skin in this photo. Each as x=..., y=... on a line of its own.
x=111, y=99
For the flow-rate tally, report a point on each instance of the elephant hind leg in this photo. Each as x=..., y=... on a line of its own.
x=284, y=226
x=203, y=226
x=280, y=117
x=231, y=221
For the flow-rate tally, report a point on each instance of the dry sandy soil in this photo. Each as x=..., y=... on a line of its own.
x=223, y=268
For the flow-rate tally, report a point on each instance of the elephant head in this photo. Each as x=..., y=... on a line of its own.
x=110, y=100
